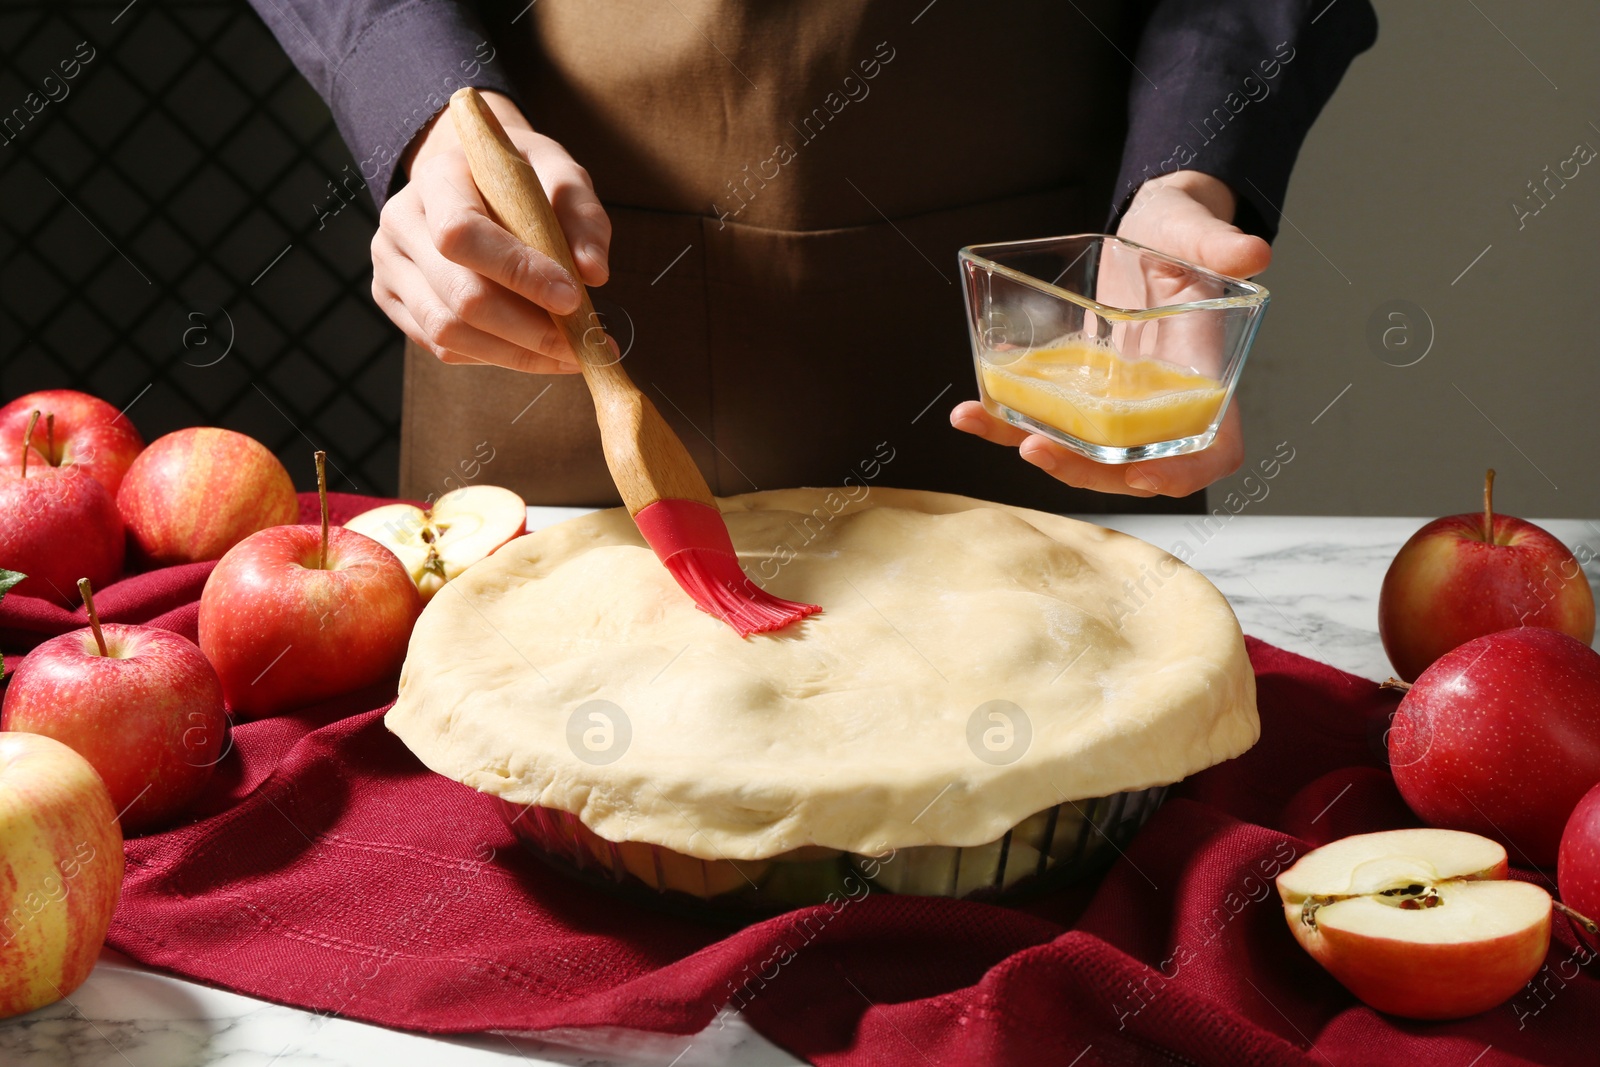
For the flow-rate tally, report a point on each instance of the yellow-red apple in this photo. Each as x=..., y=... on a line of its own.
x=1501, y=737
x=297, y=614
x=439, y=542
x=140, y=703
x=60, y=525
x=196, y=493
x=1578, y=867
x=1421, y=923
x=76, y=430
x=1464, y=576
x=60, y=870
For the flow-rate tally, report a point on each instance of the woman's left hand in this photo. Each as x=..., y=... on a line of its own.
x=1185, y=214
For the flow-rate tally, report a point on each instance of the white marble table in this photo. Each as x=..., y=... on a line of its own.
x=1306, y=584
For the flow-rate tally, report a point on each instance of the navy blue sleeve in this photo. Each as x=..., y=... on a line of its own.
x=1231, y=88
x=385, y=67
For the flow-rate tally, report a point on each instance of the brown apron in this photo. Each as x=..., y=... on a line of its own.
x=789, y=184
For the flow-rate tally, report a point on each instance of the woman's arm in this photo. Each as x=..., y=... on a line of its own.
x=444, y=272
x=456, y=282
x=1221, y=99
x=1230, y=89
x=385, y=68
x=1186, y=214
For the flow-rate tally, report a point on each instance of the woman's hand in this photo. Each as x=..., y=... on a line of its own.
x=456, y=282
x=1185, y=214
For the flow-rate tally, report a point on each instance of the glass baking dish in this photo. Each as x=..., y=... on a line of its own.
x=1048, y=849
x=1111, y=349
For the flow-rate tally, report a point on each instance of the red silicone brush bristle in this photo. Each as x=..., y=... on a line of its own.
x=692, y=540
x=719, y=586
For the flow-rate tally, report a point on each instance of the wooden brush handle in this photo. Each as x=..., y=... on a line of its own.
x=647, y=460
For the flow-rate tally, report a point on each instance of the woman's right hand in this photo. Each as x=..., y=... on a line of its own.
x=461, y=286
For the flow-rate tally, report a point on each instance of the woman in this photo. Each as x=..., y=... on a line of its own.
x=770, y=198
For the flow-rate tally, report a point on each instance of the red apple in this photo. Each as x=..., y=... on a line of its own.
x=1420, y=923
x=59, y=525
x=1578, y=867
x=296, y=614
x=1502, y=737
x=140, y=703
x=439, y=542
x=1453, y=581
x=77, y=430
x=196, y=493
x=60, y=870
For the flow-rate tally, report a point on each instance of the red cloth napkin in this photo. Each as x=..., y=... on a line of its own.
x=329, y=870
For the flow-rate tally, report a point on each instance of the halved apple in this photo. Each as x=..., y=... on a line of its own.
x=435, y=544
x=1421, y=923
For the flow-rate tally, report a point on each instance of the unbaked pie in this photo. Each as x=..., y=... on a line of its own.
x=989, y=695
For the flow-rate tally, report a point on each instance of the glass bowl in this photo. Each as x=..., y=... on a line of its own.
x=1113, y=350
x=1048, y=849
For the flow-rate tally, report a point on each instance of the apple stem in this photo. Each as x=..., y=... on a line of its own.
x=1488, y=506
x=27, y=441
x=50, y=439
x=1396, y=684
x=1578, y=917
x=322, y=496
x=94, y=616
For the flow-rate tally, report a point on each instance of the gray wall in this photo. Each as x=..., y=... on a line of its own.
x=1409, y=175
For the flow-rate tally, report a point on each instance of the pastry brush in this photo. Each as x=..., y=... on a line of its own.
x=658, y=480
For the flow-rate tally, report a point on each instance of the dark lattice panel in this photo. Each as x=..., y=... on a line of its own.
x=166, y=207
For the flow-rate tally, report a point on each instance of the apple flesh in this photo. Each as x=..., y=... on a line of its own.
x=1501, y=737
x=194, y=494
x=1464, y=576
x=60, y=870
x=286, y=624
x=437, y=543
x=147, y=714
x=1418, y=923
x=1578, y=867
x=59, y=525
x=76, y=430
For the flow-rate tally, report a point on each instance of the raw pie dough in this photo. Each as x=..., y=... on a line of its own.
x=850, y=730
